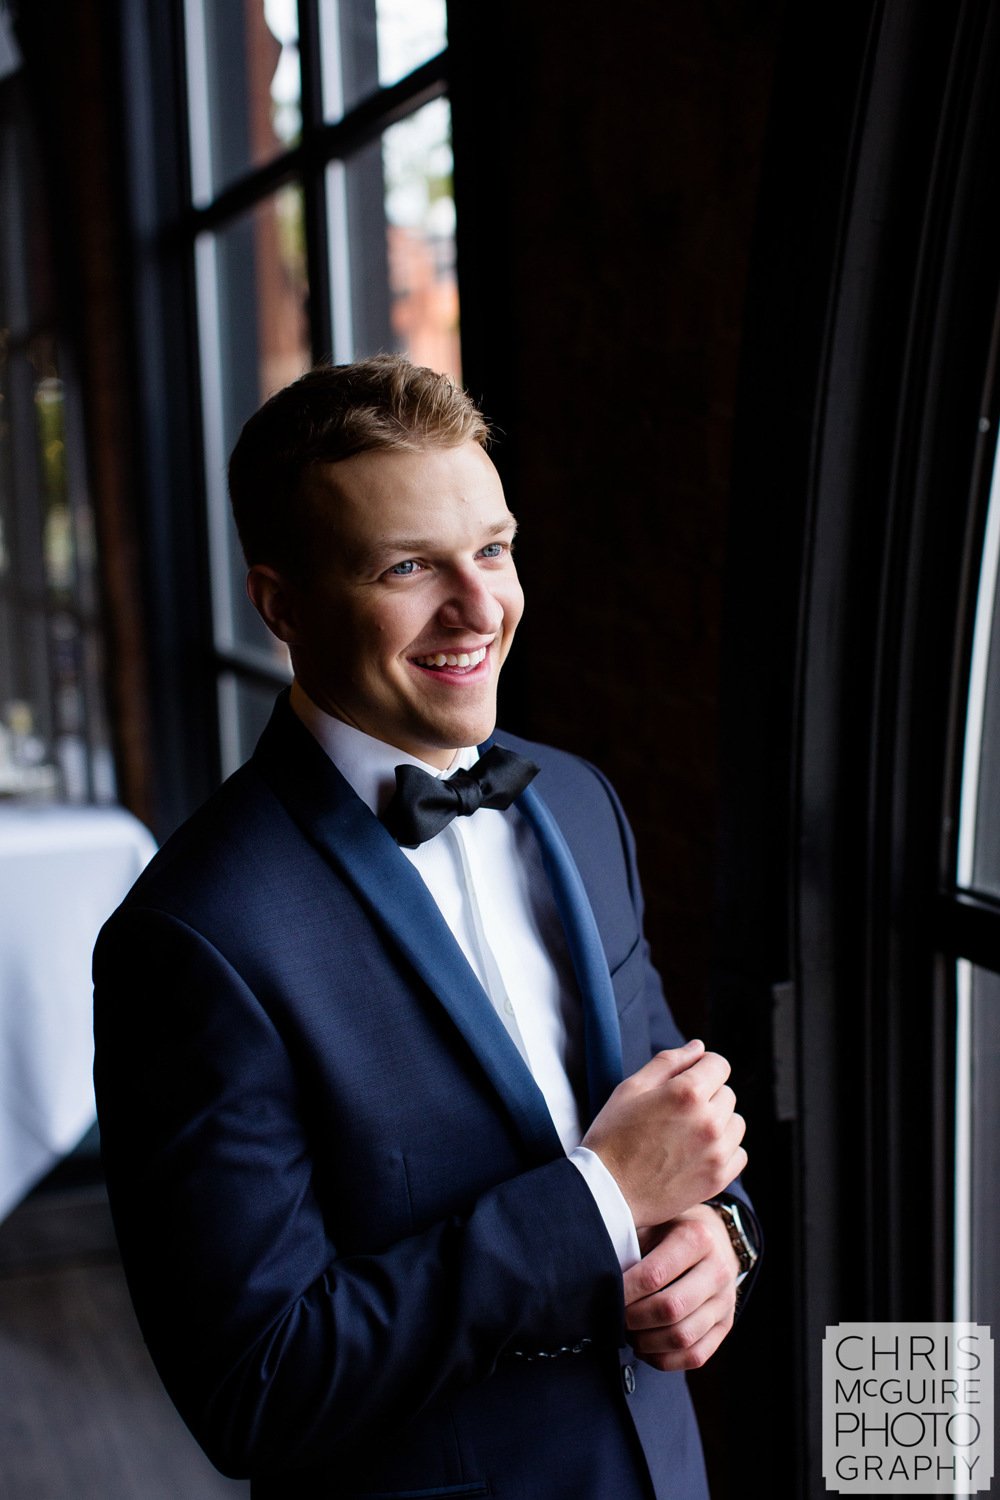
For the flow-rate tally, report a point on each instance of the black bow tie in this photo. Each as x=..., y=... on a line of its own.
x=422, y=804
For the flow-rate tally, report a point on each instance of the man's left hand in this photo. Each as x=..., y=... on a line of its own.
x=680, y=1299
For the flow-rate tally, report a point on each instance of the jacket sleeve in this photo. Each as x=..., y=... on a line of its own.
x=278, y=1350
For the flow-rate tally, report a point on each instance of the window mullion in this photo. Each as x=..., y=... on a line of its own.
x=969, y=927
x=314, y=183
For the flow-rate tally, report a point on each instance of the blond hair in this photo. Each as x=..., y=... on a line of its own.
x=331, y=413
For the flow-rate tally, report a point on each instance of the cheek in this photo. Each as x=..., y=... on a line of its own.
x=388, y=632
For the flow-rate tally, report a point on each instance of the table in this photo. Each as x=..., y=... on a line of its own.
x=63, y=870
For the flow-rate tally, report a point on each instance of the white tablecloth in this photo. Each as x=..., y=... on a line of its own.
x=63, y=870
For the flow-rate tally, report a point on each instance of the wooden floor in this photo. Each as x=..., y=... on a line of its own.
x=82, y=1413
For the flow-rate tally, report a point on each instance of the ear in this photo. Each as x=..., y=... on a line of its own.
x=274, y=600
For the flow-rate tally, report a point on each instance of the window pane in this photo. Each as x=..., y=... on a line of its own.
x=26, y=730
x=51, y=696
x=244, y=709
x=58, y=540
x=244, y=85
x=979, y=834
x=371, y=44
x=19, y=461
x=7, y=633
x=978, y=1134
x=53, y=729
x=393, y=222
x=26, y=293
x=254, y=337
x=420, y=215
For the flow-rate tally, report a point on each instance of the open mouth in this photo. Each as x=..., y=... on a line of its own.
x=454, y=663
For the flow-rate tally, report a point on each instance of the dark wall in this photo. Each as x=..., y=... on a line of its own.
x=608, y=165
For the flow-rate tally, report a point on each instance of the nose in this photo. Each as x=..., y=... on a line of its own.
x=471, y=604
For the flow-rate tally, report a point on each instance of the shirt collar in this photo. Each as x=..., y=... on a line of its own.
x=367, y=764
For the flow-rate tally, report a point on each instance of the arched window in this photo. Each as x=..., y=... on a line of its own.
x=861, y=916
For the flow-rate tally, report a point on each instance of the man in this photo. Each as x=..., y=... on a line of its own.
x=408, y=1162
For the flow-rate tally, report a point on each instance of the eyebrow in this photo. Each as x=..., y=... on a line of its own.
x=406, y=545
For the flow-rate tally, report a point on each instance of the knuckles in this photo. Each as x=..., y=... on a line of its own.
x=713, y=1129
x=717, y=1157
x=684, y=1094
x=647, y=1277
x=700, y=1237
x=683, y=1359
x=672, y=1308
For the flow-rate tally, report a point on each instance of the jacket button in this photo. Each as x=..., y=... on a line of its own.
x=628, y=1379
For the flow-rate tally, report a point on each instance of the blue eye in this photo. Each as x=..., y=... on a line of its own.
x=492, y=549
x=404, y=569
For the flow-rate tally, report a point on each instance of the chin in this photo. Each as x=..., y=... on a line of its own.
x=475, y=720
x=469, y=732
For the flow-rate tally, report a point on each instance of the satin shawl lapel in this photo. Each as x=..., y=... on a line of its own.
x=602, y=1036
x=399, y=904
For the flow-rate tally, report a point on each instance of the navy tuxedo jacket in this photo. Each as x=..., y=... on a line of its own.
x=360, y=1258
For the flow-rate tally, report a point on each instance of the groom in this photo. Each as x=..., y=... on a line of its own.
x=418, y=1189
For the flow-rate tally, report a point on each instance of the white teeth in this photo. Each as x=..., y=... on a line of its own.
x=461, y=659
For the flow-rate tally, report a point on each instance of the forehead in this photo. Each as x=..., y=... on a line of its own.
x=442, y=496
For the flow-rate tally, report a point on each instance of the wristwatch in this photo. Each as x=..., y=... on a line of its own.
x=746, y=1251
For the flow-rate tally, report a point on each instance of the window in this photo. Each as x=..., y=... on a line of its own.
x=319, y=223
x=54, y=738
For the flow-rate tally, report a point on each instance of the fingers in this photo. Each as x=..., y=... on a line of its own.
x=674, y=1305
x=692, y=1073
x=700, y=1075
x=684, y=1333
x=732, y=1154
x=690, y=1266
x=724, y=1098
x=669, y=1134
x=685, y=1243
x=674, y=1060
x=680, y=1326
x=688, y=1345
x=705, y=1077
x=716, y=1154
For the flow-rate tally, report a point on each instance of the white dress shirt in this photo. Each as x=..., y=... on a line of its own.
x=486, y=876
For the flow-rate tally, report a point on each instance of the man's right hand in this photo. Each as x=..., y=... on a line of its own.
x=669, y=1134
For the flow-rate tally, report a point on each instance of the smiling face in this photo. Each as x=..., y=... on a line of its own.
x=409, y=615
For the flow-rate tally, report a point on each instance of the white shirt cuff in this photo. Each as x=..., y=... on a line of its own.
x=611, y=1205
